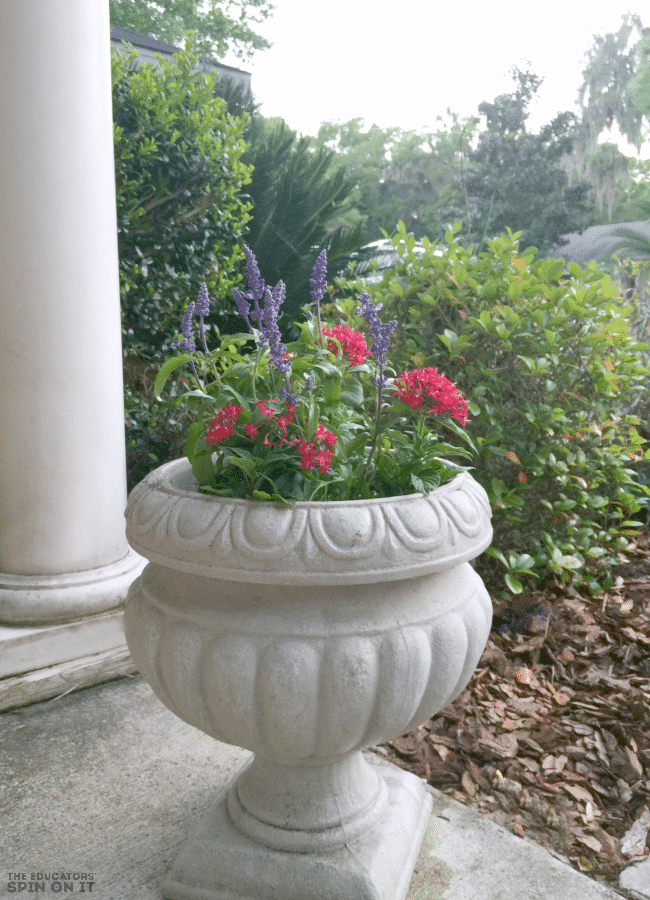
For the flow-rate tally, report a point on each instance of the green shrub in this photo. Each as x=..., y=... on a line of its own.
x=179, y=181
x=549, y=367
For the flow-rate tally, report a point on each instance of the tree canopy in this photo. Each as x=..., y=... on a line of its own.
x=219, y=26
x=518, y=180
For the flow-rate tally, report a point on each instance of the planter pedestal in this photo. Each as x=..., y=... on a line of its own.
x=218, y=862
x=306, y=634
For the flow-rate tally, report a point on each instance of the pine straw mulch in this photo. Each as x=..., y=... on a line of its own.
x=552, y=736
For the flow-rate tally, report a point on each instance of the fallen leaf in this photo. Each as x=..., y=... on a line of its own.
x=468, y=784
x=525, y=675
x=578, y=792
x=590, y=841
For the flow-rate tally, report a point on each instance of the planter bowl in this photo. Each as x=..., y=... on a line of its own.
x=307, y=634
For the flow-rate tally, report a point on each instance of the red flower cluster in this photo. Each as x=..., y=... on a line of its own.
x=223, y=426
x=318, y=452
x=314, y=453
x=353, y=344
x=428, y=389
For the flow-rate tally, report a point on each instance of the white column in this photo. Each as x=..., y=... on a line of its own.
x=63, y=552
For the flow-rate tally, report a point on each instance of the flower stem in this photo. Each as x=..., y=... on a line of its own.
x=361, y=472
x=319, y=325
x=196, y=375
x=207, y=352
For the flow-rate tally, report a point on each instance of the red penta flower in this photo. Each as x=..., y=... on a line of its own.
x=324, y=460
x=307, y=453
x=327, y=437
x=251, y=431
x=223, y=425
x=267, y=411
x=353, y=344
x=429, y=390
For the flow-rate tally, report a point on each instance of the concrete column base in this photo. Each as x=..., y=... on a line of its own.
x=52, y=599
x=220, y=863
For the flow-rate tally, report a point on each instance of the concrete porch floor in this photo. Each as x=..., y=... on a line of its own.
x=107, y=781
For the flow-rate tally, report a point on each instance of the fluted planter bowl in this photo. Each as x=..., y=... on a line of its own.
x=306, y=634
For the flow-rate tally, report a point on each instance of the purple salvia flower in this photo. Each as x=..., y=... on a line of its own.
x=318, y=280
x=256, y=285
x=243, y=306
x=286, y=395
x=271, y=336
x=187, y=345
x=202, y=310
x=381, y=335
x=203, y=303
x=270, y=332
x=309, y=383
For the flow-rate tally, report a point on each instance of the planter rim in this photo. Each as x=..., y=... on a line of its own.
x=330, y=541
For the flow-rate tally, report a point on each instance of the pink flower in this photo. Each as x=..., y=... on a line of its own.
x=223, y=425
x=283, y=421
x=353, y=344
x=327, y=437
x=307, y=453
x=324, y=460
x=265, y=410
x=429, y=390
x=251, y=431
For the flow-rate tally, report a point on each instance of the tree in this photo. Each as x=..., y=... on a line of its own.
x=401, y=175
x=518, y=180
x=603, y=98
x=300, y=198
x=638, y=87
x=614, y=89
x=219, y=25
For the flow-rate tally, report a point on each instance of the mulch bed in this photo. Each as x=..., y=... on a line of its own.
x=552, y=736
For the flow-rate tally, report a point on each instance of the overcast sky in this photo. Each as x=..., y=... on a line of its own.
x=402, y=64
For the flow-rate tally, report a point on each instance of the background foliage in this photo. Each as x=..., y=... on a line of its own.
x=549, y=367
x=300, y=196
x=179, y=182
x=220, y=25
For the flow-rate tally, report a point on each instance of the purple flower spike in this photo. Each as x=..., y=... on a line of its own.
x=187, y=345
x=256, y=283
x=243, y=306
x=269, y=327
x=318, y=280
x=203, y=303
x=381, y=335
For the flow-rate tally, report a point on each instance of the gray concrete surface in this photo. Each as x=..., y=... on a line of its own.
x=636, y=879
x=107, y=782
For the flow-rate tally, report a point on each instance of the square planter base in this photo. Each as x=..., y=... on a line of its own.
x=220, y=863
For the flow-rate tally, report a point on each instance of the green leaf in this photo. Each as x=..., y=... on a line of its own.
x=203, y=468
x=514, y=585
x=165, y=371
x=352, y=393
x=193, y=434
x=496, y=554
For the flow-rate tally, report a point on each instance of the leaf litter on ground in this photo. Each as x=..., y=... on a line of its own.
x=551, y=738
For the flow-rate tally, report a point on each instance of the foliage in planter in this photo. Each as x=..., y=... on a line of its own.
x=548, y=366
x=179, y=179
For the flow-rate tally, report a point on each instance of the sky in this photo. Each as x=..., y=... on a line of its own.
x=402, y=64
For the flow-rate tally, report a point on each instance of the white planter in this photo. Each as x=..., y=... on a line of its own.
x=306, y=634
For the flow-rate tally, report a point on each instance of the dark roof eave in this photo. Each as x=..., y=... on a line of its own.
x=142, y=40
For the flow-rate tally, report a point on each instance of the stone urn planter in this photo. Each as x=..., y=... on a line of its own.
x=306, y=634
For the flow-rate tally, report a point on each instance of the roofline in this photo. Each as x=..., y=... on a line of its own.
x=149, y=43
